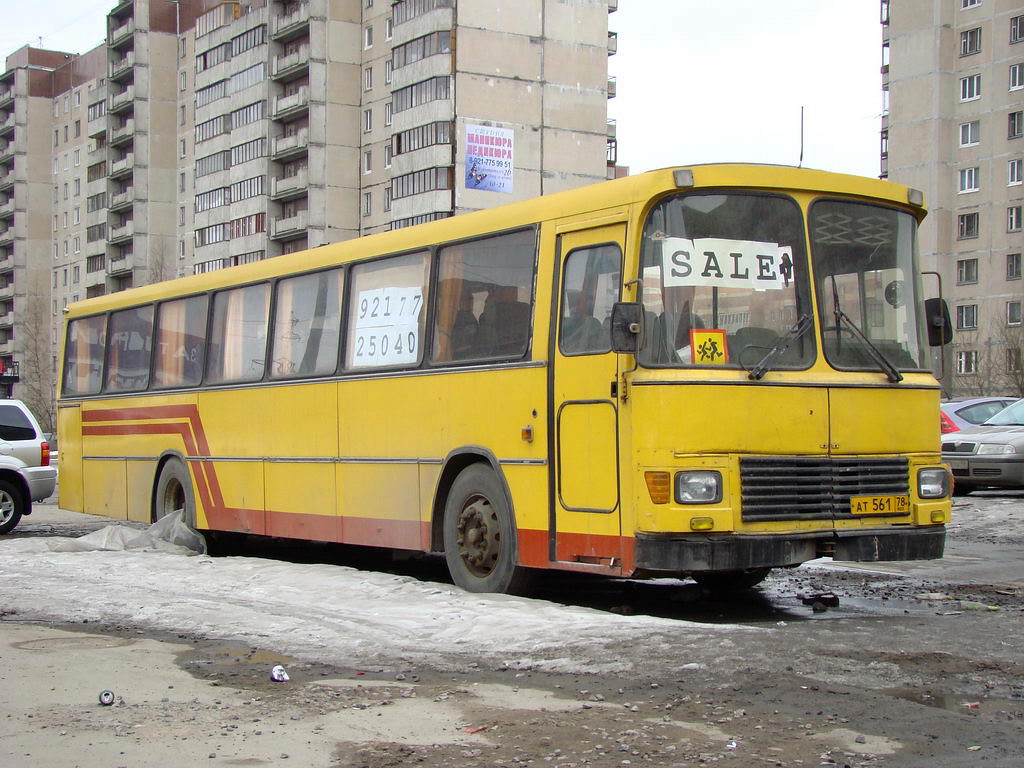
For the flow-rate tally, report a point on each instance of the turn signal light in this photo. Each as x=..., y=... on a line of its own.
x=701, y=524
x=659, y=486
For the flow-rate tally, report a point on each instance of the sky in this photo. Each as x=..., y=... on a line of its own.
x=697, y=82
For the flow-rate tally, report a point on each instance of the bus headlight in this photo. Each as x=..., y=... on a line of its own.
x=933, y=483
x=698, y=487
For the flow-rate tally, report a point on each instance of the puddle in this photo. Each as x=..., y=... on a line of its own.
x=83, y=642
x=952, y=702
x=249, y=656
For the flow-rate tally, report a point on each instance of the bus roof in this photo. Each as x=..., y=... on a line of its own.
x=617, y=193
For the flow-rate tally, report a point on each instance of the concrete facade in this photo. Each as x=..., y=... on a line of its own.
x=205, y=134
x=953, y=71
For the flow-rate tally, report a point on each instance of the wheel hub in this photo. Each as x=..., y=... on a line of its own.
x=479, y=536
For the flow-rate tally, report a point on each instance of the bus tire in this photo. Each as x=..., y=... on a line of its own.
x=480, y=541
x=731, y=581
x=12, y=506
x=174, y=492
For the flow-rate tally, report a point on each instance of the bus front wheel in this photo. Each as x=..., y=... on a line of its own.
x=480, y=542
x=173, y=493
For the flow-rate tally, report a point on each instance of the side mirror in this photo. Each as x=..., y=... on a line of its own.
x=627, y=327
x=940, y=329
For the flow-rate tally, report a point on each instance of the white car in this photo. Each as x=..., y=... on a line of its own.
x=26, y=474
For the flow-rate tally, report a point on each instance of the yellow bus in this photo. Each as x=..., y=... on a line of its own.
x=704, y=371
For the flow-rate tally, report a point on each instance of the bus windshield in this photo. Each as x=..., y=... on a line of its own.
x=865, y=267
x=724, y=279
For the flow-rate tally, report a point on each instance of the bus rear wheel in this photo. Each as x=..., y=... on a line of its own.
x=174, y=493
x=480, y=541
x=731, y=581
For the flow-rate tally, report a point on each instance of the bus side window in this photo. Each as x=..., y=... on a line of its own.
x=180, y=342
x=589, y=288
x=131, y=339
x=307, y=325
x=485, y=298
x=238, y=338
x=83, y=364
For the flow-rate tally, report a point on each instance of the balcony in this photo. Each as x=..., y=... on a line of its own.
x=118, y=102
x=613, y=6
x=121, y=67
x=613, y=130
x=122, y=167
x=7, y=182
x=612, y=88
x=122, y=134
x=6, y=289
x=119, y=263
x=121, y=201
x=284, y=28
x=97, y=126
x=120, y=35
x=6, y=152
x=293, y=65
x=7, y=124
x=613, y=43
x=294, y=105
x=7, y=210
x=6, y=96
x=121, y=234
x=6, y=319
x=290, y=147
x=289, y=187
x=291, y=227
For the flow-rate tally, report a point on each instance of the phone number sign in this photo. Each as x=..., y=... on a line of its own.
x=489, y=158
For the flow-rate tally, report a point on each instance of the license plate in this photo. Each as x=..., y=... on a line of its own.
x=880, y=505
x=957, y=464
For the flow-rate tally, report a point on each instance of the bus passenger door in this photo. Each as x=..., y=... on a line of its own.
x=585, y=410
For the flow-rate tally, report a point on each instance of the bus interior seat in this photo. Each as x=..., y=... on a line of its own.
x=758, y=340
x=504, y=324
x=583, y=333
x=464, y=333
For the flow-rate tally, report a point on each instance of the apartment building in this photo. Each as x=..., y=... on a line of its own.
x=953, y=126
x=205, y=134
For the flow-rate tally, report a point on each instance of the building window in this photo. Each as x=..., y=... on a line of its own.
x=970, y=88
x=418, y=182
x=1016, y=29
x=1014, y=169
x=183, y=80
x=1013, y=312
x=367, y=204
x=78, y=128
x=965, y=4
x=967, y=226
x=368, y=37
x=387, y=198
x=1016, y=77
x=368, y=79
x=966, y=271
x=367, y=120
x=1013, y=266
x=388, y=114
x=181, y=182
x=389, y=67
x=389, y=29
x=181, y=215
x=367, y=161
x=968, y=180
x=1013, y=360
x=966, y=317
x=967, y=361
x=970, y=41
x=420, y=93
x=181, y=148
x=388, y=154
x=1013, y=218
x=1015, y=127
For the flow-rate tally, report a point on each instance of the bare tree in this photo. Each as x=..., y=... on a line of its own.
x=37, y=387
x=1010, y=361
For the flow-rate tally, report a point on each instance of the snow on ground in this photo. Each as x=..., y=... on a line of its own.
x=332, y=613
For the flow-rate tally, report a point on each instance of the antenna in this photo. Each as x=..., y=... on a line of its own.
x=801, y=163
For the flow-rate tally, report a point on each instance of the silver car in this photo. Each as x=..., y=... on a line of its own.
x=26, y=474
x=990, y=454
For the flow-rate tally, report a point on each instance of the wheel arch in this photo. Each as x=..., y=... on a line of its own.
x=20, y=484
x=456, y=461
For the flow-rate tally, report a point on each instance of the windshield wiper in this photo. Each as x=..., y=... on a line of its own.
x=781, y=345
x=890, y=370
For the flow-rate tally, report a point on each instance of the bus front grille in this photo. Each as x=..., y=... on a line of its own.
x=785, y=488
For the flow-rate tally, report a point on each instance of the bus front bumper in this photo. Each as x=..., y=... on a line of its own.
x=676, y=553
